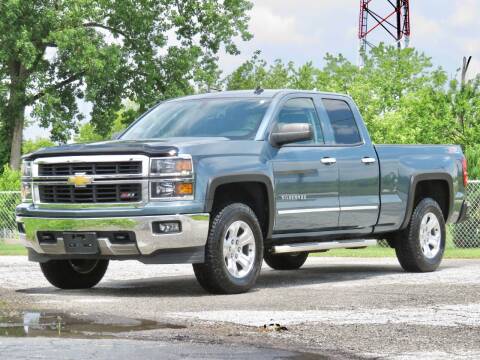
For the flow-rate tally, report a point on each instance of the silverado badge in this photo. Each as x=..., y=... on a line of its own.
x=80, y=180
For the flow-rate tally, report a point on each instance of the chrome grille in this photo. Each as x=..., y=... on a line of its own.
x=91, y=168
x=97, y=193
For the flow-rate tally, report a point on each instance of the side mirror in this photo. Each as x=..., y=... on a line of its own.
x=284, y=134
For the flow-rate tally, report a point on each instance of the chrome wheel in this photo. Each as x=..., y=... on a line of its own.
x=430, y=235
x=239, y=249
x=83, y=266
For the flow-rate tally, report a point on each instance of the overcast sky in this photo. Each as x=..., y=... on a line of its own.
x=304, y=30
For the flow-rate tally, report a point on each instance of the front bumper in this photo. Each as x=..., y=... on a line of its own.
x=193, y=233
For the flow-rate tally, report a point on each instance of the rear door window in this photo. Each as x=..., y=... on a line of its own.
x=342, y=120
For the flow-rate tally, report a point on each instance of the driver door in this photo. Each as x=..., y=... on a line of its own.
x=305, y=176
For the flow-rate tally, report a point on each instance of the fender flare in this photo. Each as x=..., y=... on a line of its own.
x=264, y=179
x=414, y=180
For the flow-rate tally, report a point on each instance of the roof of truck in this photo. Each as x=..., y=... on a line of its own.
x=262, y=93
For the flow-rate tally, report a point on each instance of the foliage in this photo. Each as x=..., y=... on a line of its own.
x=473, y=157
x=10, y=179
x=88, y=133
x=30, y=146
x=401, y=96
x=53, y=53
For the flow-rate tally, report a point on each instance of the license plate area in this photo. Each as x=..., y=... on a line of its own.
x=81, y=243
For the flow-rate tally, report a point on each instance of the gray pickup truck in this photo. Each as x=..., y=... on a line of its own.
x=226, y=180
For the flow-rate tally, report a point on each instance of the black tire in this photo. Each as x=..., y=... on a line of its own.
x=285, y=261
x=74, y=274
x=213, y=275
x=408, y=243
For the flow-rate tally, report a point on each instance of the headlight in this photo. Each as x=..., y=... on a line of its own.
x=26, y=191
x=171, y=167
x=180, y=182
x=168, y=190
x=26, y=168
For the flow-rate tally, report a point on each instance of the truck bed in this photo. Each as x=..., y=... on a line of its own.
x=401, y=166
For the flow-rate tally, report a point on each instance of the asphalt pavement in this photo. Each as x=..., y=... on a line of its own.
x=332, y=307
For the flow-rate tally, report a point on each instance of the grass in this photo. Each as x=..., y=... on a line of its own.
x=376, y=252
x=12, y=249
x=369, y=252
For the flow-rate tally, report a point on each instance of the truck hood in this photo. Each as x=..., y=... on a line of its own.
x=162, y=147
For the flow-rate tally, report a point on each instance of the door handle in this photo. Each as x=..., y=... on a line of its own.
x=328, y=160
x=368, y=160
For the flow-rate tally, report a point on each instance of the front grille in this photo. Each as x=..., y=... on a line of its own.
x=94, y=168
x=101, y=193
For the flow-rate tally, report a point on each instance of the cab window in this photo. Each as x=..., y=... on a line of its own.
x=301, y=110
x=342, y=120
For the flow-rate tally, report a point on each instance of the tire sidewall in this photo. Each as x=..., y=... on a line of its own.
x=232, y=213
x=424, y=207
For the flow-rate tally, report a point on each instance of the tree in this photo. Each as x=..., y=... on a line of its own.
x=401, y=96
x=30, y=146
x=87, y=132
x=54, y=52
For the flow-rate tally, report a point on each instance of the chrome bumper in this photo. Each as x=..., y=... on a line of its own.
x=194, y=232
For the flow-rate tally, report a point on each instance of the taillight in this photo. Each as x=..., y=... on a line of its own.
x=464, y=172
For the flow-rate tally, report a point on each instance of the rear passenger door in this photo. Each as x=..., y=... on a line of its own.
x=357, y=165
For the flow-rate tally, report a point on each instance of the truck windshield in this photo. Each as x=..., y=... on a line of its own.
x=230, y=118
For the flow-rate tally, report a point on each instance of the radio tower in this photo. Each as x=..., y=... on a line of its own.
x=390, y=16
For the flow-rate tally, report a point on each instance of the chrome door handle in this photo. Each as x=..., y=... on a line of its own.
x=368, y=160
x=328, y=161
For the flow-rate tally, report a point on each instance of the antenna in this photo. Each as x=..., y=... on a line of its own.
x=391, y=17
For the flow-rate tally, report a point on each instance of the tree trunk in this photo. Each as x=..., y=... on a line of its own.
x=18, y=121
x=15, y=114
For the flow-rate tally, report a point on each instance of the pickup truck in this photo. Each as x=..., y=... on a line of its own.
x=226, y=180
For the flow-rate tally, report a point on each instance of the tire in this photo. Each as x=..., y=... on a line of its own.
x=285, y=261
x=74, y=274
x=414, y=257
x=217, y=274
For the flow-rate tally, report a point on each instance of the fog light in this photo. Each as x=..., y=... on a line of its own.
x=166, y=227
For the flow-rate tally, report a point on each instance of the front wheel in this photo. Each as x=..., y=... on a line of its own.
x=421, y=245
x=233, y=253
x=74, y=274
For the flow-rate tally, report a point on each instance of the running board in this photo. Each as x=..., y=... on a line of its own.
x=321, y=246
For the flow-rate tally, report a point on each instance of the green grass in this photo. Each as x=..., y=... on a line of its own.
x=376, y=251
x=12, y=249
x=370, y=252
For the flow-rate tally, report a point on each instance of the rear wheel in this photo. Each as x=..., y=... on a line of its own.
x=74, y=274
x=421, y=245
x=233, y=253
x=285, y=261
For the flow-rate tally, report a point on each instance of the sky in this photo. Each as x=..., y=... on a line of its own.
x=305, y=30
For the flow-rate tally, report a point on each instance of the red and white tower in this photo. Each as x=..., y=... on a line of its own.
x=392, y=17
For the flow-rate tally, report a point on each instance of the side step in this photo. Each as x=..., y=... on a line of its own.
x=320, y=246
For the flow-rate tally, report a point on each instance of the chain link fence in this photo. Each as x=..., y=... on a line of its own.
x=8, y=226
x=465, y=235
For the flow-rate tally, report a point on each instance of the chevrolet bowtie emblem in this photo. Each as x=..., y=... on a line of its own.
x=80, y=180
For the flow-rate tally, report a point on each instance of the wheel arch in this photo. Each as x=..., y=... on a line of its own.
x=244, y=180
x=417, y=191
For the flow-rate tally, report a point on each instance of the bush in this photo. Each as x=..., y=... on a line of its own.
x=10, y=179
x=472, y=153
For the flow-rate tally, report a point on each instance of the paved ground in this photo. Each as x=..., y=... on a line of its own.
x=336, y=307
